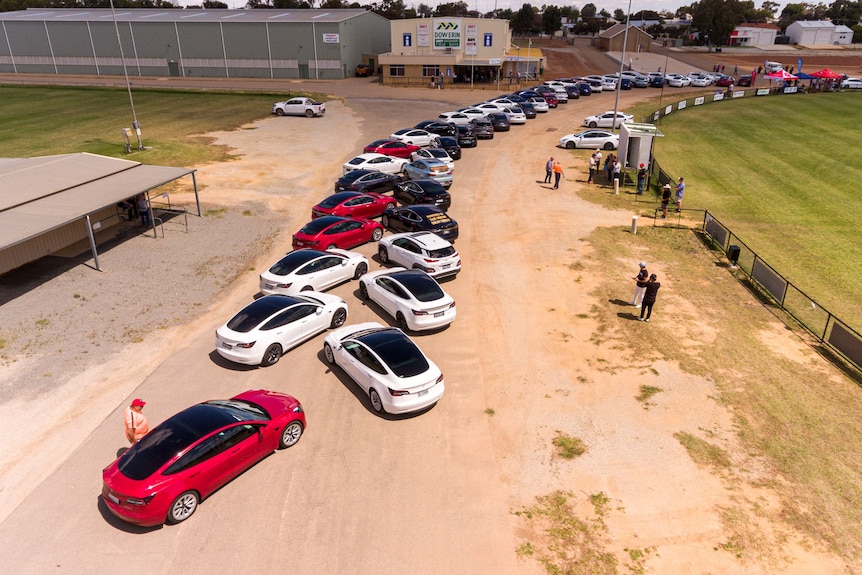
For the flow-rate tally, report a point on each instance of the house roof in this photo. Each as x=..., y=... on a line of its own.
x=40, y=194
x=762, y=25
x=618, y=29
x=179, y=15
x=813, y=24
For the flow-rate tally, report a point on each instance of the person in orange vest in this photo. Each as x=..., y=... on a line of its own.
x=136, y=422
x=558, y=172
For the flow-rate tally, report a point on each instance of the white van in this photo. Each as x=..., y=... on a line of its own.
x=770, y=67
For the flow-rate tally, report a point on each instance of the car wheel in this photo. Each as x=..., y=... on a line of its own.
x=435, y=143
x=279, y=112
x=331, y=246
x=338, y=318
x=328, y=354
x=307, y=288
x=361, y=270
x=376, y=403
x=363, y=291
x=609, y=146
x=390, y=205
x=383, y=254
x=385, y=221
x=309, y=114
x=290, y=435
x=183, y=507
x=376, y=234
x=271, y=355
x=593, y=125
x=570, y=145
x=401, y=321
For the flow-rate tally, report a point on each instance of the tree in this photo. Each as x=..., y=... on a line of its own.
x=214, y=4
x=424, y=11
x=524, y=19
x=452, y=9
x=715, y=19
x=570, y=12
x=844, y=12
x=619, y=15
x=333, y=4
x=552, y=20
x=683, y=11
x=588, y=11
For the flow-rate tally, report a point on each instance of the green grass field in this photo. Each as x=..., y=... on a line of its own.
x=783, y=173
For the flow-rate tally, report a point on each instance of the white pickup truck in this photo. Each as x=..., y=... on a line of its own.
x=299, y=107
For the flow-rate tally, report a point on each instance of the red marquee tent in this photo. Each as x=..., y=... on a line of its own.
x=782, y=75
x=827, y=74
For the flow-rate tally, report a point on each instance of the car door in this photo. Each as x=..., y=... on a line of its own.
x=360, y=207
x=244, y=445
x=360, y=364
x=294, y=107
x=388, y=294
x=290, y=327
x=376, y=183
x=205, y=467
x=321, y=273
x=352, y=233
x=332, y=270
x=405, y=252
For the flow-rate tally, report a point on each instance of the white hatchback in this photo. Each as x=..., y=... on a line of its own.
x=312, y=270
x=424, y=251
x=413, y=298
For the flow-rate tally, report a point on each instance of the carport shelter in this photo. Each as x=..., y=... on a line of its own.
x=50, y=203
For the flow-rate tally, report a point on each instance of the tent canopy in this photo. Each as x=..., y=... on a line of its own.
x=827, y=74
x=782, y=75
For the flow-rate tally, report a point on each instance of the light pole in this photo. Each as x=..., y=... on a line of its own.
x=622, y=66
x=135, y=123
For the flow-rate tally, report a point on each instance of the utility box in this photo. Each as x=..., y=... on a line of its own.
x=636, y=142
x=733, y=254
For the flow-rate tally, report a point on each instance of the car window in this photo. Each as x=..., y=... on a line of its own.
x=408, y=245
x=392, y=287
x=364, y=357
x=351, y=225
x=330, y=262
x=410, y=215
x=442, y=252
x=284, y=318
x=235, y=435
x=206, y=449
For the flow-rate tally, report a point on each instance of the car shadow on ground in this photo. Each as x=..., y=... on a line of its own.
x=361, y=396
x=222, y=362
x=118, y=523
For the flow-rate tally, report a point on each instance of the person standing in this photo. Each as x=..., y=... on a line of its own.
x=609, y=166
x=650, y=297
x=558, y=172
x=143, y=209
x=680, y=191
x=642, y=174
x=135, y=421
x=665, y=200
x=618, y=167
x=598, y=163
x=592, y=168
x=549, y=169
x=641, y=285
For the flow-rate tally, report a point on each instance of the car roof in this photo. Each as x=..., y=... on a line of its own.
x=259, y=310
x=429, y=240
x=395, y=349
x=423, y=209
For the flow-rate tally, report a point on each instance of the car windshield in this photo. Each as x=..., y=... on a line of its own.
x=254, y=313
x=356, y=161
x=314, y=227
x=421, y=285
x=353, y=175
x=293, y=260
x=397, y=351
x=176, y=434
x=442, y=252
x=336, y=199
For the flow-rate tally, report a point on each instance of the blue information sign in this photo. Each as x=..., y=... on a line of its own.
x=408, y=39
x=489, y=39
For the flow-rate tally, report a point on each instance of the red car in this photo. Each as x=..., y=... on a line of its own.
x=165, y=475
x=551, y=99
x=353, y=205
x=391, y=148
x=336, y=232
x=724, y=81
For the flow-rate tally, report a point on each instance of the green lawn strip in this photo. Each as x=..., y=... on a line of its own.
x=801, y=421
x=40, y=121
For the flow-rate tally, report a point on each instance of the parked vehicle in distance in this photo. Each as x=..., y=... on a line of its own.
x=725, y=81
x=596, y=139
x=262, y=331
x=500, y=121
x=416, y=137
x=850, y=83
x=515, y=115
x=451, y=146
x=483, y=128
x=387, y=365
x=299, y=107
x=426, y=169
x=413, y=298
x=363, y=71
x=366, y=181
x=390, y=147
x=539, y=103
x=457, y=118
x=424, y=251
x=437, y=127
x=677, y=80
x=312, y=270
x=641, y=82
x=744, y=81
x=467, y=136
x=353, y=205
x=528, y=108
x=378, y=162
x=434, y=154
x=422, y=192
x=421, y=218
x=606, y=120
x=336, y=232
x=186, y=458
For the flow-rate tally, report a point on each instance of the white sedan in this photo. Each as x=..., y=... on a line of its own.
x=515, y=114
x=852, y=83
x=457, y=118
x=376, y=162
x=299, y=107
x=699, y=81
x=425, y=251
x=434, y=154
x=677, y=80
x=264, y=329
x=474, y=112
x=416, y=137
x=312, y=270
x=412, y=297
x=538, y=103
x=596, y=139
x=387, y=365
x=606, y=120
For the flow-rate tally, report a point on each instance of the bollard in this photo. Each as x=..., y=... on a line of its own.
x=616, y=186
x=634, y=225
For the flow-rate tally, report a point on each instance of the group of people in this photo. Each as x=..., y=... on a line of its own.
x=646, y=291
x=553, y=168
x=612, y=167
x=666, y=196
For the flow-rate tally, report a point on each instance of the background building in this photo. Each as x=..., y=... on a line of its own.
x=754, y=35
x=611, y=39
x=818, y=33
x=216, y=43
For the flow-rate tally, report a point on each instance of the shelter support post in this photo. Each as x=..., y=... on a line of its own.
x=197, y=198
x=93, y=243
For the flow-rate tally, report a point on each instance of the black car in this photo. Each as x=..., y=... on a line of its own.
x=451, y=145
x=437, y=127
x=625, y=83
x=421, y=218
x=500, y=122
x=585, y=89
x=657, y=82
x=422, y=192
x=366, y=181
x=528, y=108
x=483, y=128
x=573, y=91
x=467, y=137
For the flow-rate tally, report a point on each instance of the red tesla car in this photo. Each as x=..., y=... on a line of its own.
x=391, y=148
x=353, y=205
x=165, y=475
x=336, y=232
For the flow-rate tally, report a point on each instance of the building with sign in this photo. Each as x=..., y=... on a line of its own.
x=456, y=51
x=316, y=44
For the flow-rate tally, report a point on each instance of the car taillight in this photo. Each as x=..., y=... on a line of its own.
x=439, y=379
x=419, y=312
x=139, y=501
x=453, y=305
x=245, y=345
x=397, y=392
x=283, y=286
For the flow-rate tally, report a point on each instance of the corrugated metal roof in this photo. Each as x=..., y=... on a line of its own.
x=40, y=194
x=178, y=15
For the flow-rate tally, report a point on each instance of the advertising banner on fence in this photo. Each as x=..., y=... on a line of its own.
x=447, y=33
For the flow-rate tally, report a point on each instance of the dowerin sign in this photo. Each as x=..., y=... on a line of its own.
x=447, y=33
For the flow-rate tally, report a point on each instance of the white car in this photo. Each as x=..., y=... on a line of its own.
x=596, y=139
x=515, y=114
x=474, y=112
x=595, y=82
x=387, y=365
x=434, y=154
x=416, y=137
x=606, y=120
x=424, y=251
x=457, y=118
x=700, y=81
x=299, y=107
x=412, y=297
x=539, y=104
x=312, y=270
x=264, y=329
x=852, y=83
x=377, y=162
x=557, y=85
x=487, y=108
x=501, y=103
x=677, y=80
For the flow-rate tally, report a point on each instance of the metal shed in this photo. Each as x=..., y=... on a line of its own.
x=319, y=44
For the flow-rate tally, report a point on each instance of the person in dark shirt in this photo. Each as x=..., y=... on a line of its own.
x=649, y=297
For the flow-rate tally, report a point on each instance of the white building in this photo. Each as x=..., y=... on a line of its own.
x=820, y=32
x=752, y=34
